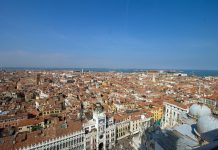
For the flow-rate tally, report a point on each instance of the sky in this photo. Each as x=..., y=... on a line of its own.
x=143, y=34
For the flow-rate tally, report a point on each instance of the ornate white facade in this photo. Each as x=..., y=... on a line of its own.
x=172, y=114
x=73, y=141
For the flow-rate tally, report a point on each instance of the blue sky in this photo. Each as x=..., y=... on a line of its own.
x=109, y=34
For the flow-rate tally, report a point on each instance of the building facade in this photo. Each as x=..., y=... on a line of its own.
x=99, y=133
x=172, y=113
x=73, y=141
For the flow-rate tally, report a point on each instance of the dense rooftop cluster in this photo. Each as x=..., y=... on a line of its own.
x=36, y=106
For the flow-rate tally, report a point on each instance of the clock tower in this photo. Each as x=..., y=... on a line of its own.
x=100, y=118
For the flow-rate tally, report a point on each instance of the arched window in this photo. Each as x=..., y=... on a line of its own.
x=60, y=145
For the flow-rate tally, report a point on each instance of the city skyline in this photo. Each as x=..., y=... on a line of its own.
x=109, y=34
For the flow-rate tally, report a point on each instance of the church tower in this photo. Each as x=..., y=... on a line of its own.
x=153, y=78
x=38, y=79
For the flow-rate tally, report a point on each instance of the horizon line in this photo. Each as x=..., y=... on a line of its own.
x=108, y=68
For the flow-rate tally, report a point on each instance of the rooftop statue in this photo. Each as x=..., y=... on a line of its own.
x=98, y=107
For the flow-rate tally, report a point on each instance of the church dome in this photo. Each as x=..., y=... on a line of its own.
x=198, y=110
x=207, y=123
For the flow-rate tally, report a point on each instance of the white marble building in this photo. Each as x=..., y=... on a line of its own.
x=172, y=114
x=73, y=141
